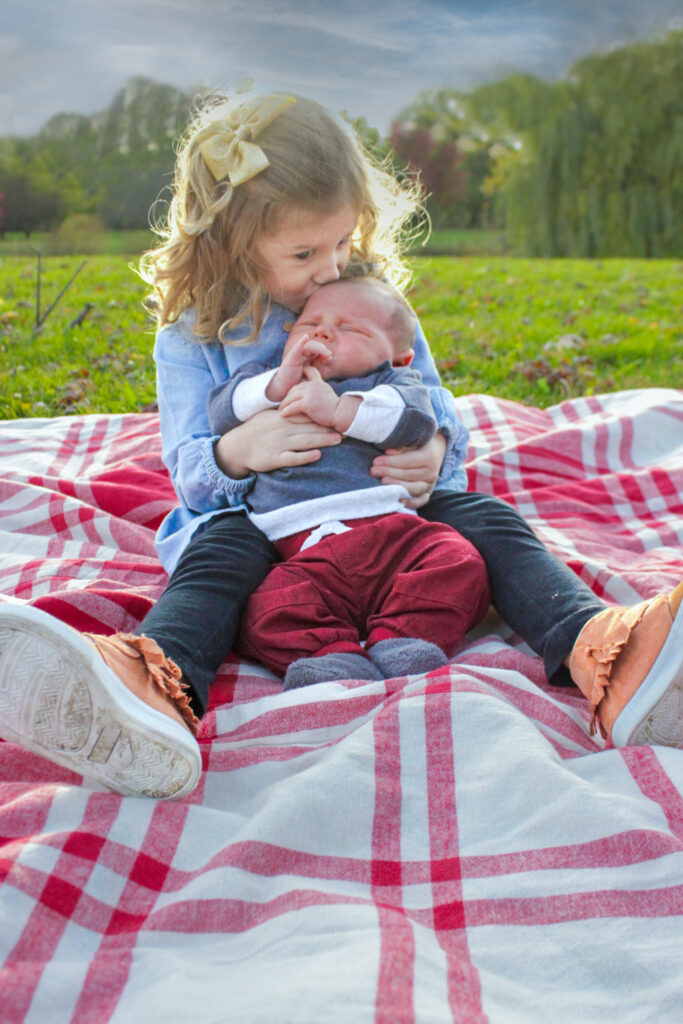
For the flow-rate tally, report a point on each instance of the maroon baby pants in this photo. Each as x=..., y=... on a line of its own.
x=388, y=576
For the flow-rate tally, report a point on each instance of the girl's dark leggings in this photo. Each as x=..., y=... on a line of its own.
x=196, y=618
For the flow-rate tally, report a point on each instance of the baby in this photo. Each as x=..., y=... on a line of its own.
x=358, y=565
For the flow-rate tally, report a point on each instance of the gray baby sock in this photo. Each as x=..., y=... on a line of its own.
x=405, y=656
x=337, y=665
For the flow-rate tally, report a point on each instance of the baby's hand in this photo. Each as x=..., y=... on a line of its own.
x=312, y=396
x=294, y=362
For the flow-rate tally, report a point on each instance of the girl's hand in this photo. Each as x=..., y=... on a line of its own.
x=269, y=441
x=416, y=469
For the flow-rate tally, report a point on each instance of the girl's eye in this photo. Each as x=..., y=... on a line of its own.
x=344, y=242
x=303, y=255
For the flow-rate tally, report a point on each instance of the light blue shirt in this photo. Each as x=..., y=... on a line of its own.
x=187, y=370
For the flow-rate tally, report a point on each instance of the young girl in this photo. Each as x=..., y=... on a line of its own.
x=273, y=197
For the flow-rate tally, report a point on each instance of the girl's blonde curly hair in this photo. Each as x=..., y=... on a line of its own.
x=206, y=257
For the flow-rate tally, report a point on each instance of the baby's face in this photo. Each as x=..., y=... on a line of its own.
x=352, y=323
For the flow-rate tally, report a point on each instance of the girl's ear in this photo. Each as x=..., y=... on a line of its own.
x=404, y=358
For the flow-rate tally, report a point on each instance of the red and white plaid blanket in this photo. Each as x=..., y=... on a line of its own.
x=452, y=847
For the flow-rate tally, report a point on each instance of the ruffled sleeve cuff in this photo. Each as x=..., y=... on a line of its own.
x=234, y=489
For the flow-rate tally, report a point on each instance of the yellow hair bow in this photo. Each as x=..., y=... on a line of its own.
x=227, y=150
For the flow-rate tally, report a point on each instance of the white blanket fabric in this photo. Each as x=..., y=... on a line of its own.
x=452, y=847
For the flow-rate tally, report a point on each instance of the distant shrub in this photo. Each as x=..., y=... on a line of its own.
x=80, y=233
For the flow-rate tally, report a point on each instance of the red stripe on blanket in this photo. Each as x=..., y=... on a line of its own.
x=449, y=913
x=395, y=981
x=110, y=967
x=383, y=874
x=56, y=904
x=648, y=773
x=581, y=906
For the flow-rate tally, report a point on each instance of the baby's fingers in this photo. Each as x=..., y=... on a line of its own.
x=314, y=349
x=298, y=349
x=292, y=408
x=312, y=373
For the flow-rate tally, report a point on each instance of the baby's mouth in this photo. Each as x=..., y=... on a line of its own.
x=322, y=365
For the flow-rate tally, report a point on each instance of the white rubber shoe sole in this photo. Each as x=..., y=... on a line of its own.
x=654, y=713
x=59, y=699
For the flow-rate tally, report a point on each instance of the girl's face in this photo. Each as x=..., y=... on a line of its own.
x=308, y=250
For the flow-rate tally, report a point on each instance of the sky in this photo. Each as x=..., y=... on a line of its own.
x=368, y=57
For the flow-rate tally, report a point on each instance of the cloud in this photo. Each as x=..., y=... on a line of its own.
x=370, y=58
x=367, y=31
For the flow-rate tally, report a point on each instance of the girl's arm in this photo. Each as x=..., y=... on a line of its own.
x=439, y=463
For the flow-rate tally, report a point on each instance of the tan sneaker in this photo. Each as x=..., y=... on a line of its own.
x=111, y=709
x=628, y=662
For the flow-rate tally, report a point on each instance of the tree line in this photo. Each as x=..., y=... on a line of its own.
x=111, y=167
x=587, y=166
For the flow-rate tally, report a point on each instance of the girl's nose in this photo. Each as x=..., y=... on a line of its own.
x=329, y=269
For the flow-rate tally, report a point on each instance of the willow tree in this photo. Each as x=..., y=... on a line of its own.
x=591, y=166
x=432, y=138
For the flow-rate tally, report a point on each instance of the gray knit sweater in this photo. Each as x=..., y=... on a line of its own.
x=338, y=486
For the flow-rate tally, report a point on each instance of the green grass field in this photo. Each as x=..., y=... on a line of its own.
x=538, y=331
x=534, y=331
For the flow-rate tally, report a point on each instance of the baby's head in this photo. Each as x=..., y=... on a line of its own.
x=362, y=321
